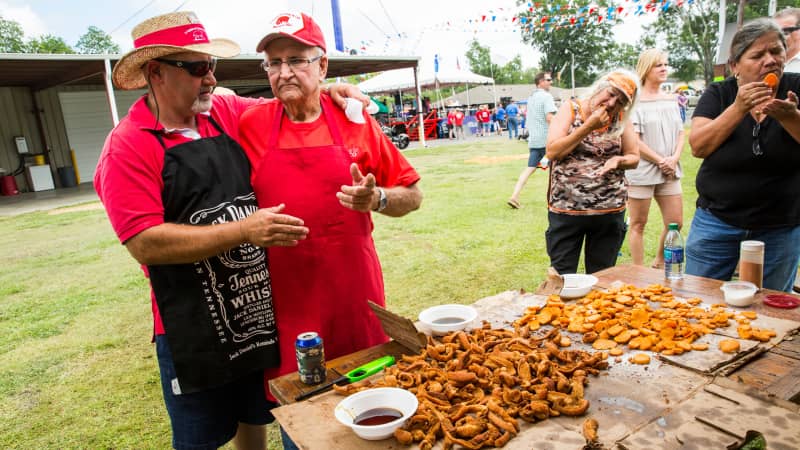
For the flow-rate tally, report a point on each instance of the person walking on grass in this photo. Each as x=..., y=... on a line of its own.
x=659, y=127
x=175, y=184
x=541, y=109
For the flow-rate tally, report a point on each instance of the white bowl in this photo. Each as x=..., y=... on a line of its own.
x=577, y=285
x=739, y=293
x=443, y=319
x=400, y=400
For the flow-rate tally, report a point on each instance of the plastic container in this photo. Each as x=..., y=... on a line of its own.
x=67, y=176
x=8, y=185
x=38, y=160
x=751, y=262
x=673, y=254
x=739, y=293
x=577, y=285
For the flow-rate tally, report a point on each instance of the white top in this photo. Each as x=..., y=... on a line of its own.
x=658, y=122
x=793, y=65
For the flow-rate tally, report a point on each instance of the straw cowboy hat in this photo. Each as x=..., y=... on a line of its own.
x=166, y=35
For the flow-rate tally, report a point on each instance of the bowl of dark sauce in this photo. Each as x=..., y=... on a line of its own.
x=443, y=319
x=374, y=414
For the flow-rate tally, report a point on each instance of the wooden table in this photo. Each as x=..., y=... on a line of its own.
x=776, y=372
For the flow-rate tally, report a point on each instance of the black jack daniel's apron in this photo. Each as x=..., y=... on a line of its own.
x=217, y=313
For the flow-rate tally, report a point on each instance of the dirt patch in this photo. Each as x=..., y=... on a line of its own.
x=86, y=207
x=495, y=159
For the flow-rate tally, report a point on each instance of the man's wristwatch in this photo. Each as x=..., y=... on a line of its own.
x=381, y=200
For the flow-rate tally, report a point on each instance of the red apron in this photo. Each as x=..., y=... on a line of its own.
x=323, y=283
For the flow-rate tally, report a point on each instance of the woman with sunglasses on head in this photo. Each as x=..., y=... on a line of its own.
x=747, y=131
x=590, y=144
x=657, y=121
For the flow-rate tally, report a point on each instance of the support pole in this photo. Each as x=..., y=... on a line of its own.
x=337, y=25
x=420, y=110
x=112, y=101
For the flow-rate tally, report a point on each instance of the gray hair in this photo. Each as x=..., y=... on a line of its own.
x=749, y=33
x=789, y=12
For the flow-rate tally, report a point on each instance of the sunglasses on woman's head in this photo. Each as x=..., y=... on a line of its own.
x=197, y=69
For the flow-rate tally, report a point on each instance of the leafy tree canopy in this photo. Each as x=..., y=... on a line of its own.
x=96, y=41
x=11, y=37
x=480, y=62
x=591, y=45
x=48, y=44
x=12, y=40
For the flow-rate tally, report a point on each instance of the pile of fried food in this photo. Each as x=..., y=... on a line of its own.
x=474, y=386
x=623, y=316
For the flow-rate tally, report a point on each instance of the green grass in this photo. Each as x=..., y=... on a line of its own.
x=77, y=369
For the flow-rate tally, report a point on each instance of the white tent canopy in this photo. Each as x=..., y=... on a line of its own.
x=403, y=79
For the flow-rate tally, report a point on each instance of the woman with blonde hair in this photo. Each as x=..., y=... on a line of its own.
x=590, y=144
x=657, y=121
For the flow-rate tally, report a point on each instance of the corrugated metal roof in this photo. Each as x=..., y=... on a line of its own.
x=40, y=71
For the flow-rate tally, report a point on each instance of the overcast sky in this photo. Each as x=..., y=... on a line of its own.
x=382, y=27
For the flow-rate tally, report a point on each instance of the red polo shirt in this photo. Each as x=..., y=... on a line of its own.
x=128, y=177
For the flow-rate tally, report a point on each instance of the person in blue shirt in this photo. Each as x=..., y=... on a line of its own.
x=513, y=120
x=501, y=118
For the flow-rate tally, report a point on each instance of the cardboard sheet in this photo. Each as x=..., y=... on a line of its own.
x=724, y=418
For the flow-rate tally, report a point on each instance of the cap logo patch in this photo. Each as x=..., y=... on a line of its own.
x=287, y=23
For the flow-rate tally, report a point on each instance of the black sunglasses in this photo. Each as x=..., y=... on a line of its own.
x=197, y=69
x=789, y=30
x=548, y=79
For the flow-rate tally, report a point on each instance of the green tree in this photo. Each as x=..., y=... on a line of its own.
x=589, y=41
x=96, y=41
x=48, y=43
x=11, y=37
x=480, y=62
x=691, y=34
x=621, y=56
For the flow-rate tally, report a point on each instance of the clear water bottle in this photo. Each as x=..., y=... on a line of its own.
x=673, y=253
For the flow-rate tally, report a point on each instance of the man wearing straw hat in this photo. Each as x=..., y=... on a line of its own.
x=175, y=185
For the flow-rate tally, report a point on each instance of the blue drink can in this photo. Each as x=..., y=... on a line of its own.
x=310, y=358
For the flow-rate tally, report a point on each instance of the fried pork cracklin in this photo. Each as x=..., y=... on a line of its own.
x=474, y=387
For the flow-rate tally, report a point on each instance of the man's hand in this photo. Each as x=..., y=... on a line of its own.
x=268, y=228
x=362, y=195
x=339, y=91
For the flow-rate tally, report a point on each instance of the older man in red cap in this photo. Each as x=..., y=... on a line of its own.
x=333, y=174
x=175, y=184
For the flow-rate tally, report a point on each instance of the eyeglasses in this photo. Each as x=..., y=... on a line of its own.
x=197, y=69
x=274, y=66
x=789, y=30
x=756, y=145
x=548, y=79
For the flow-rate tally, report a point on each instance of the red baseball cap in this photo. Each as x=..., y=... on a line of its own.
x=299, y=27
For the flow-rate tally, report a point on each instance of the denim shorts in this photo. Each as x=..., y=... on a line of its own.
x=210, y=418
x=536, y=155
x=712, y=250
